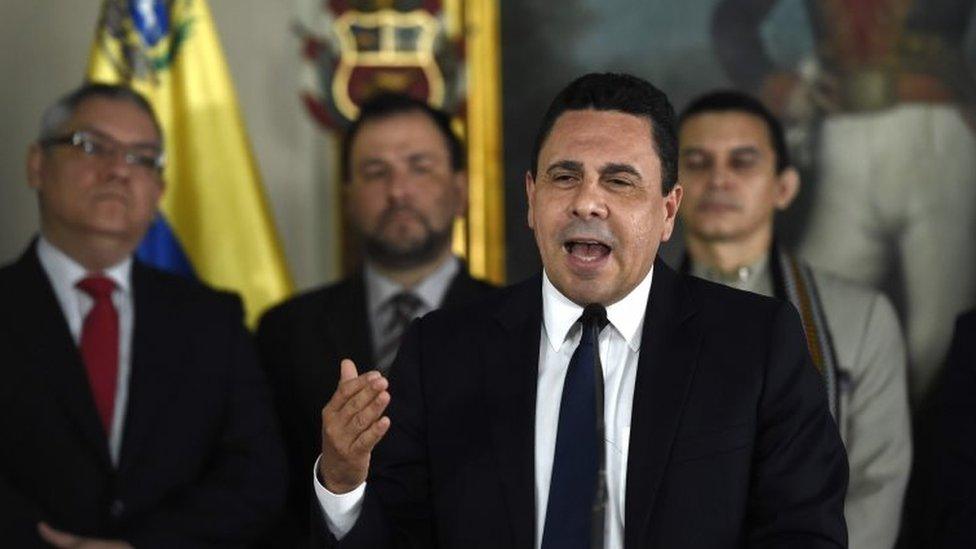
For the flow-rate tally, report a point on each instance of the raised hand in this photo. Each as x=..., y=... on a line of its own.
x=352, y=424
x=64, y=540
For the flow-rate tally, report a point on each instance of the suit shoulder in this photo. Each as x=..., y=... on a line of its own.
x=966, y=322
x=11, y=283
x=8, y=272
x=483, y=287
x=719, y=298
x=476, y=311
x=186, y=291
x=308, y=303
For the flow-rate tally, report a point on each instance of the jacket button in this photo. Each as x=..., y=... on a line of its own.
x=116, y=509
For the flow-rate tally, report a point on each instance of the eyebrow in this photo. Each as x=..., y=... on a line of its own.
x=617, y=168
x=422, y=155
x=99, y=133
x=370, y=162
x=747, y=149
x=569, y=165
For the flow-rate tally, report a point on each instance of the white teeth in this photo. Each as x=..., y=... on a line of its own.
x=587, y=250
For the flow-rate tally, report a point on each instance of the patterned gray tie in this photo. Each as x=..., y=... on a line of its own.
x=402, y=308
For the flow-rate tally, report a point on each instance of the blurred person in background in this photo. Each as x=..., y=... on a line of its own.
x=135, y=412
x=404, y=185
x=737, y=174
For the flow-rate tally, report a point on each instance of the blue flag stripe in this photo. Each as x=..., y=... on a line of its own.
x=161, y=249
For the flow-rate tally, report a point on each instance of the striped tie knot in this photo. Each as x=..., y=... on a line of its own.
x=402, y=307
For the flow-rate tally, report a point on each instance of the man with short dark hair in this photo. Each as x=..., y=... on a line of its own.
x=608, y=401
x=737, y=174
x=404, y=185
x=135, y=413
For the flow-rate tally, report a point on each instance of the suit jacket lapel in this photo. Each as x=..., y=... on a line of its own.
x=45, y=329
x=512, y=366
x=347, y=324
x=669, y=346
x=155, y=362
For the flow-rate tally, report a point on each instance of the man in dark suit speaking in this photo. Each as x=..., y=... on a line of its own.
x=134, y=412
x=404, y=184
x=608, y=402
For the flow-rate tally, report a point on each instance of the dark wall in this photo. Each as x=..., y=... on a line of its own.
x=545, y=45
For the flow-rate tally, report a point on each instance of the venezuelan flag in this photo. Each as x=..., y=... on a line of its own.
x=214, y=222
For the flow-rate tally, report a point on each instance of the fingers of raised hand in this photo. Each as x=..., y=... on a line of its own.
x=356, y=406
x=364, y=400
x=369, y=413
x=56, y=537
x=368, y=439
x=350, y=388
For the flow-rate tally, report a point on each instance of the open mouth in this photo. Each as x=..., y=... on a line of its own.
x=587, y=250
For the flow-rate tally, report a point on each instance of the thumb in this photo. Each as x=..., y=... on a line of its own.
x=56, y=538
x=347, y=370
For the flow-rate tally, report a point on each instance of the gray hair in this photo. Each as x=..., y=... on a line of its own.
x=57, y=114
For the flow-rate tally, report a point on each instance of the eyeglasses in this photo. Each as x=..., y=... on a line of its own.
x=103, y=147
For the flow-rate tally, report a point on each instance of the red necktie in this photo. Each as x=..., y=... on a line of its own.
x=100, y=345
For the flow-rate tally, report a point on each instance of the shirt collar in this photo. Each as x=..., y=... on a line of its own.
x=65, y=272
x=626, y=316
x=755, y=278
x=430, y=290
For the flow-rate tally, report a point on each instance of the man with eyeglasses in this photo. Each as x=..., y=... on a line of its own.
x=134, y=412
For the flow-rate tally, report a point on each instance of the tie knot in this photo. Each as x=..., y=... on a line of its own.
x=97, y=286
x=405, y=304
x=594, y=314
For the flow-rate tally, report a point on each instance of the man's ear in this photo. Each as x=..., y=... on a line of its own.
x=530, y=196
x=35, y=158
x=787, y=187
x=672, y=201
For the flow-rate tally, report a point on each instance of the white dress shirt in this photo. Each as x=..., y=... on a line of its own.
x=63, y=273
x=620, y=344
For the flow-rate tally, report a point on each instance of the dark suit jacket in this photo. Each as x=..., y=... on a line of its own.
x=301, y=343
x=954, y=493
x=201, y=463
x=731, y=441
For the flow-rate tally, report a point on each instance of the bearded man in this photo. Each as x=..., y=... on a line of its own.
x=404, y=184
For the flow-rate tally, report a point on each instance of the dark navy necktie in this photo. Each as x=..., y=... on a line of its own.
x=577, y=493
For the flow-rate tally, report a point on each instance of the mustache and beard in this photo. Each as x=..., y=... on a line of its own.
x=394, y=252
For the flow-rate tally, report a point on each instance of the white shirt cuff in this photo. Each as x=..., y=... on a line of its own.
x=340, y=510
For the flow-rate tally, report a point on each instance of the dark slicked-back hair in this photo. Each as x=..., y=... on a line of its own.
x=736, y=101
x=56, y=115
x=385, y=105
x=623, y=93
